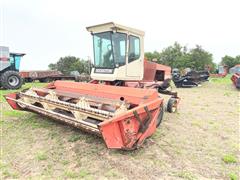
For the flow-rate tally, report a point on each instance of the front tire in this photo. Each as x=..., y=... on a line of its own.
x=172, y=105
x=11, y=80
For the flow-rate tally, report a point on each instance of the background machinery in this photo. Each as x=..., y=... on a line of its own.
x=236, y=76
x=190, y=79
x=122, y=103
x=9, y=68
x=222, y=72
x=52, y=75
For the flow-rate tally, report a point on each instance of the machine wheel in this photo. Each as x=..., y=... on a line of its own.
x=172, y=105
x=28, y=80
x=11, y=80
x=160, y=116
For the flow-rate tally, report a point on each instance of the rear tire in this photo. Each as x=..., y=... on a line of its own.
x=160, y=116
x=172, y=105
x=11, y=80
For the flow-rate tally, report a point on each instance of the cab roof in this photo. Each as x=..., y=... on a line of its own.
x=111, y=26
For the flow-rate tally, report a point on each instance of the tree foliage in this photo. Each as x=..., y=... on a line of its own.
x=178, y=56
x=151, y=56
x=200, y=58
x=173, y=56
x=70, y=63
x=230, y=61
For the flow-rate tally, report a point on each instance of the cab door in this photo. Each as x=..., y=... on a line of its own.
x=135, y=58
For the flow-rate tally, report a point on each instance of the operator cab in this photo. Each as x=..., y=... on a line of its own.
x=8, y=60
x=118, y=52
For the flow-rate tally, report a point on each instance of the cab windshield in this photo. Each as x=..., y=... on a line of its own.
x=109, y=49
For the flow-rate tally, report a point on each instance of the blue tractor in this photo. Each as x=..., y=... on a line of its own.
x=9, y=69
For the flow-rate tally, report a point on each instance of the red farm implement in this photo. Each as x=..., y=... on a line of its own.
x=236, y=76
x=122, y=103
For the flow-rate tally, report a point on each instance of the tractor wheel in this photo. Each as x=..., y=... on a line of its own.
x=28, y=80
x=160, y=116
x=11, y=80
x=172, y=105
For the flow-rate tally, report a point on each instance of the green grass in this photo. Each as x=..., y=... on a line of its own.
x=10, y=175
x=158, y=134
x=83, y=173
x=227, y=94
x=65, y=162
x=26, y=120
x=6, y=173
x=29, y=121
x=229, y=158
x=196, y=123
x=53, y=134
x=25, y=86
x=41, y=156
x=74, y=137
x=76, y=175
x=71, y=174
x=35, y=121
x=186, y=175
x=13, y=113
x=225, y=80
x=112, y=173
x=233, y=176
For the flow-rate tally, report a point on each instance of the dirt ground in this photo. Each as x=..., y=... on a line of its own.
x=200, y=141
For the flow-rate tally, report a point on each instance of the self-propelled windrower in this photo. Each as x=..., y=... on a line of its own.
x=122, y=103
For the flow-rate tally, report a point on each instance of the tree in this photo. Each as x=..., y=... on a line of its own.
x=173, y=55
x=178, y=56
x=150, y=56
x=230, y=61
x=200, y=58
x=70, y=63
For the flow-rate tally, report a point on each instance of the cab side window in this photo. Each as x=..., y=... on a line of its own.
x=134, y=48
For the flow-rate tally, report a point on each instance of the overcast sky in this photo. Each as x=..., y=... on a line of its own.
x=48, y=29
